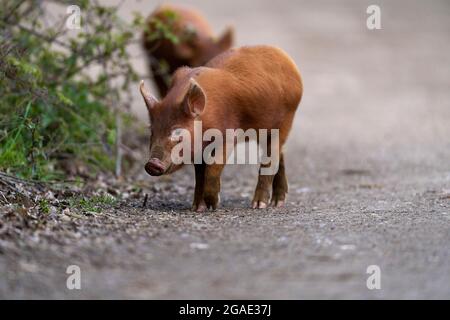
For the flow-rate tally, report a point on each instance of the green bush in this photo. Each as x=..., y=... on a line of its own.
x=53, y=108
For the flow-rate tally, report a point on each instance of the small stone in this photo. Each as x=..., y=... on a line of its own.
x=199, y=246
x=346, y=247
x=303, y=190
x=28, y=267
x=49, y=195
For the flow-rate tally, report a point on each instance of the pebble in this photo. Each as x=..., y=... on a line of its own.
x=348, y=247
x=199, y=246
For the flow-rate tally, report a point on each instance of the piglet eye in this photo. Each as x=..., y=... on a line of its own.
x=176, y=134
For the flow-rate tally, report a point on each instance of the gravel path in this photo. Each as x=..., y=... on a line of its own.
x=368, y=162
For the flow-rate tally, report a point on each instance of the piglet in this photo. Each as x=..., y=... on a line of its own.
x=195, y=43
x=249, y=88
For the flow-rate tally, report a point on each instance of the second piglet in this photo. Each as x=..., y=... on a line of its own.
x=196, y=44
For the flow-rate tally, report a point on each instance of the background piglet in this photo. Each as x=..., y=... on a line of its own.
x=179, y=36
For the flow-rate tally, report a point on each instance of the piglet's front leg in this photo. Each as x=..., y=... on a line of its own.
x=212, y=185
x=199, y=204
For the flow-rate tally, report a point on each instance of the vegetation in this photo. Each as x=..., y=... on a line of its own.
x=91, y=204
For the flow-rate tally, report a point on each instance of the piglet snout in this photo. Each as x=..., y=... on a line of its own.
x=155, y=167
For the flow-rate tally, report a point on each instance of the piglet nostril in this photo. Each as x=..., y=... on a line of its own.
x=155, y=167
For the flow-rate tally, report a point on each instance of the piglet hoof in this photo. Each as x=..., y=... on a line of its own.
x=261, y=199
x=277, y=201
x=259, y=205
x=212, y=201
x=200, y=207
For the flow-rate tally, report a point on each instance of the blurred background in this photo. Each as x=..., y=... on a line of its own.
x=380, y=89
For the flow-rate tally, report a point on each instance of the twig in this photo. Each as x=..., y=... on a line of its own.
x=9, y=185
x=44, y=37
x=145, y=201
x=86, y=63
x=16, y=7
x=9, y=177
x=6, y=200
x=118, y=143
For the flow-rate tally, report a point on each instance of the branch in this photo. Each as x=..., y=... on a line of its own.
x=13, y=10
x=44, y=37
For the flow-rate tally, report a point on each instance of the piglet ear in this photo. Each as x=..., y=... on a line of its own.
x=226, y=40
x=149, y=99
x=195, y=98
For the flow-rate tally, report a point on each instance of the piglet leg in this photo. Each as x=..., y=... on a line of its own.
x=212, y=185
x=279, y=186
x=199, y=204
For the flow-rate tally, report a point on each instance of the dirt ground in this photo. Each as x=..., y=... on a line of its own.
x=368, y=163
